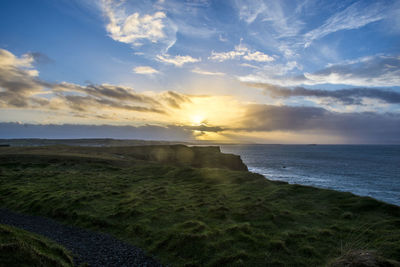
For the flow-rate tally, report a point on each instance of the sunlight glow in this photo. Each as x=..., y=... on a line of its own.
x=197, y=119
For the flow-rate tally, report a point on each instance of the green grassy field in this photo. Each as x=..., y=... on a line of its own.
x=21, y=248
x=195, y=216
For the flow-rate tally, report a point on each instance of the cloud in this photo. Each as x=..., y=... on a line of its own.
x=110, y=91
x=257, y=56
x=88, y=103
x=71, y=131
x=354, y=16
x=145, y=70
x=271, y=13
x=205, y=72
x=135, y=28
x=205, y=128
x=178, y=60
x=363, y=127
x=9, y=60
x=118, y=97
x=351, y=96
x=289, y=28
x=372, y=71
x=377, y=70
x=222, y=56
x=249, y=10
x=20, y=87
x=175, y=99
x=240, y=52
x=222, y=38
x=249, y=66
x=18, y=81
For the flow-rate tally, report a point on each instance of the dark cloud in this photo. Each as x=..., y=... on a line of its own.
x=84, y=103
x=175, y=99
x=107, y=91
x=205, y=128
x=275, y=118
x=119, y=97
x=364, y=127
x=18, y=81
x=20, y=87
x=372, y=71
x=71, y=131
x=376, y=71
x=351, y=96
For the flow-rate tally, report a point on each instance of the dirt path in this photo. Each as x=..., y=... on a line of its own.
x=95, y=249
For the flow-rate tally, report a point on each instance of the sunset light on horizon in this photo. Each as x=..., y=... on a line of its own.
x=229, y=71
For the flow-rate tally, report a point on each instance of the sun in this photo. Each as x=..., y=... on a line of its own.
x=197, y=119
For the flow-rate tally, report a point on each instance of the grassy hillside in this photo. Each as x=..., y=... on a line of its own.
x=20, y=248
x=195, y=216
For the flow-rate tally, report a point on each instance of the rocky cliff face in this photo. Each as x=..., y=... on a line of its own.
x=196, y=156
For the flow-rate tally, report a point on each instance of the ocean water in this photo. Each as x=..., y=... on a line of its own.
x=365, y=170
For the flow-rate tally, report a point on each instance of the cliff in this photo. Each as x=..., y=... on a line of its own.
x=195, y=156
x=181, y=155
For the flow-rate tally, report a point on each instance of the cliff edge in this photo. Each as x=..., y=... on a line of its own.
x=195, y=156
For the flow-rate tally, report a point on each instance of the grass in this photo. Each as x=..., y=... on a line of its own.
x=22, y=248
x=189, y=216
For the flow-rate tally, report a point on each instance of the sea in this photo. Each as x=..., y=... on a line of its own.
x=365, y=170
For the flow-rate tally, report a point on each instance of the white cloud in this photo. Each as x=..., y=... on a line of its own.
x=222, y=38
x=178, y=60
x=10, y=60
x=282, y=27
x=275, y=74
x=258, y=56
x=368, y=71
x=249, y=66
x=353, y=17
x=372, y=71
x=205, y=72
x=135, y=28
x=144, y=70
x=271, y=12
x=249, y=11
x=222, y=56
x=240, y=52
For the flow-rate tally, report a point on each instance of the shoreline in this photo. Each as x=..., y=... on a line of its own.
x=341, y=168
x=194, y=215
x=268, y=177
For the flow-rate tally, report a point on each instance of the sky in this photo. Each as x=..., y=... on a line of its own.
x=247, y=71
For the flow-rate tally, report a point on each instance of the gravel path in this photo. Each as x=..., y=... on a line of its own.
x=95, y=249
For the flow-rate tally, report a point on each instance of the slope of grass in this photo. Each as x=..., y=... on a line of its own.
x=190, y=216
x=21, y=248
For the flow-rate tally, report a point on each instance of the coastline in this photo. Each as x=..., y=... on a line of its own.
x=340, y=167
x=181, y=213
